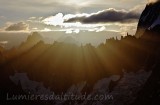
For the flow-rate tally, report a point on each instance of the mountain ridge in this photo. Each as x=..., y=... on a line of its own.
x=149, y=18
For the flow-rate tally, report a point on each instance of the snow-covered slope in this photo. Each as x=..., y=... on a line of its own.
x=124, y=91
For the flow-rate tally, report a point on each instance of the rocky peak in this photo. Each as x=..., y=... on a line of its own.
x=149, y=18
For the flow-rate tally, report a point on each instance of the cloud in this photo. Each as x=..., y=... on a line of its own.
x=153, y=1
x=54, y=20
x=32, y=18
x=138, y=8
x=108, y=15
x=21, y=26
x=2, y=17
x=3, y=42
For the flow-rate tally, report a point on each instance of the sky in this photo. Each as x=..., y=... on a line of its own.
x=71, y=16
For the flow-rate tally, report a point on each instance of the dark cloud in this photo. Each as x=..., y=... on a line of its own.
x=21, y=26
x=108, y=15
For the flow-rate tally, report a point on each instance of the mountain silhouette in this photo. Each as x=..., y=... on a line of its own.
x=69, y=39
x=61, y=65
x=149, y=18
x=32, y=39
x=149, y=24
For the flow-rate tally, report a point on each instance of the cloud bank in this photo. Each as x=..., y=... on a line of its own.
x=108, y=15
x=21, y=26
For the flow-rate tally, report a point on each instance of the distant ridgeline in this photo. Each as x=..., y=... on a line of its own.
x=60, y=65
